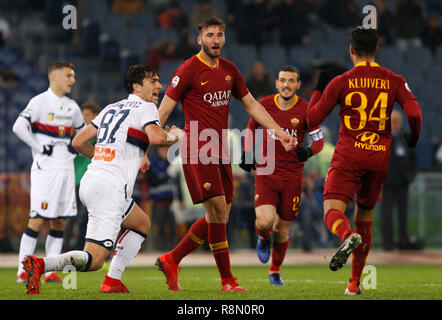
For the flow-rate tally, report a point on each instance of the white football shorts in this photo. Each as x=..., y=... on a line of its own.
x=107, y=206
x=52, y=194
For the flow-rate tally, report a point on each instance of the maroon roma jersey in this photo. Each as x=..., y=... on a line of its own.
x=205, y=93
x=366, y=94
x=294, y=121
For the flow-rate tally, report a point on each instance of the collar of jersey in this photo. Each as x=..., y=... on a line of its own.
x=367, y=64
x=201, y=59
x=277, y=104
x=134, y=97
x=52, y=93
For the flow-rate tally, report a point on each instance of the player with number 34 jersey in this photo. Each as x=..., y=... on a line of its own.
x=366, y=94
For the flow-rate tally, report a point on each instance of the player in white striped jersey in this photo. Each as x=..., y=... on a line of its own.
x=123, y=132
x=47, y=125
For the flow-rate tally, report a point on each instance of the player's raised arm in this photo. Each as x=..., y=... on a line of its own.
x=166, y=107
x=413, y=111
x=324, y=98
x=259, y=113
x=81, y=141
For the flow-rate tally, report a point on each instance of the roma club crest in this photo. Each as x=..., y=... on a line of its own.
x=207, y=185
x=294, y=122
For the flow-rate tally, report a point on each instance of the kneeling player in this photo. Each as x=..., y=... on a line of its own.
x=123, y=131
x=278, y=195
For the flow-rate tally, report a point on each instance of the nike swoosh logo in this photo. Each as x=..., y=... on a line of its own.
x=203, y=83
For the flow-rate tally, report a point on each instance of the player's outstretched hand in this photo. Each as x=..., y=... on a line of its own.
x=324, y=78
x=303, y=153
x=288, y=142
x=145, y=164
x=47, y=149
x=176, y=132
x=247, y=161
x=411, y=141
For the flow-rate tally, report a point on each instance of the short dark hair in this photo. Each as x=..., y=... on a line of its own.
x=136, y=74
x=211, y=21
x=288, y=68
x=94, y=107
x=364, y=41
x=60, y=65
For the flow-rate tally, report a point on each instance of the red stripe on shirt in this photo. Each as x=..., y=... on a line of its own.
x=49, y=128
x=138, y=134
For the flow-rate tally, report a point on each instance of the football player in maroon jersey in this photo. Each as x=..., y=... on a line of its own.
x=204, y=84
x=366, y=94
x=278, y=195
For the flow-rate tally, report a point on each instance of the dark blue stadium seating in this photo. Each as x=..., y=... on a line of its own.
x=109, y=51
x=128, y=59
x=303, y=55
x=111, y=42
x=166, y=71
x=273, y=57
x=37, y=83
x=90, y=37
x=244, y=55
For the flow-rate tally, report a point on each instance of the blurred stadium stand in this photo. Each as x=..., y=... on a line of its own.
x=107, y=43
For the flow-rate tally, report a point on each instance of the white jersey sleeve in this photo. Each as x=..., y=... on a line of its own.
x=31, y=112
x=97, y=120
x=22, y=126
x=77, y=118
x=22, y=129
x=148, y=114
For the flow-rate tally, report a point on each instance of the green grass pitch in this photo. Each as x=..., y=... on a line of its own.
x=393, y=282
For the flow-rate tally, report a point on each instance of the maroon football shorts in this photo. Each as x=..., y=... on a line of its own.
x=342, y=184
x=285, y=195
x=206, y=181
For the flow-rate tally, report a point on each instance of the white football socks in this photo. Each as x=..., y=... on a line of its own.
x=127, y=248
x=54, y=243
x=27, y=247
x=78, y=259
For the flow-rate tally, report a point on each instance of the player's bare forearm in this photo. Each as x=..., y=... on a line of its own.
x=260, y=115
x=160, y=137
x=81, y=141
x=86, y=149
x=166, y=107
